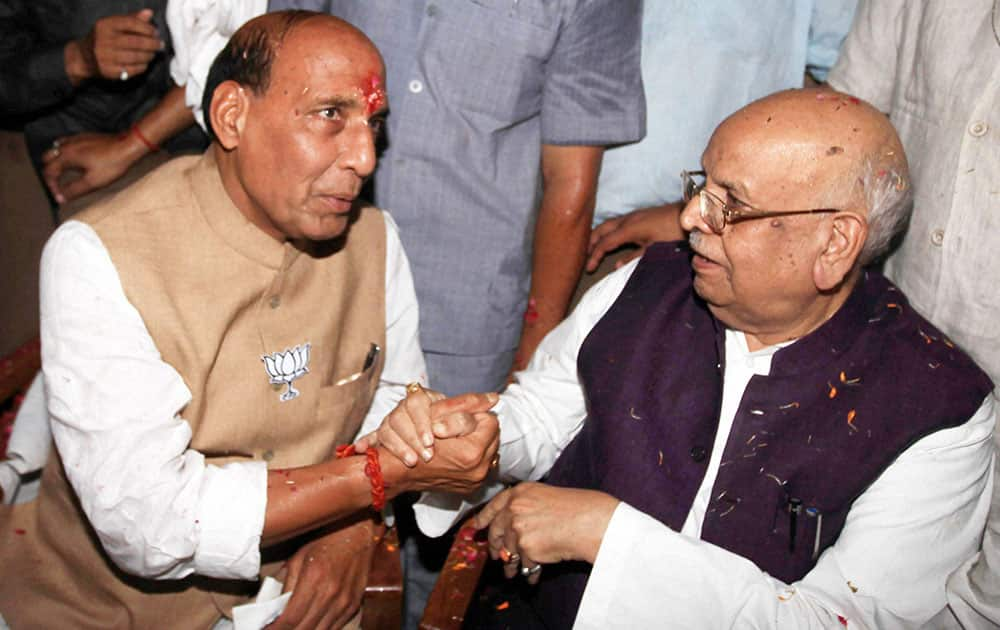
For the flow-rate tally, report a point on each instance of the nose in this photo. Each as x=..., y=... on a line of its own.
x=358, y=152
x=691, y=217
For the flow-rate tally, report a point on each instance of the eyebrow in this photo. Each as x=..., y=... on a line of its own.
x=339, y=101
x=734, y=188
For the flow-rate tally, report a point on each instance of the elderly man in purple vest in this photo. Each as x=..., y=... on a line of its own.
x=774, y=440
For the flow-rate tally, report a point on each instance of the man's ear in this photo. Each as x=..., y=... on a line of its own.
x=845, y=240
x=228, y=113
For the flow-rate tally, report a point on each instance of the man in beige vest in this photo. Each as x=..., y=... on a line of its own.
x=210, y=335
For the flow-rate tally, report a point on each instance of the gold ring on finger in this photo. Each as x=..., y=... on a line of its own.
x=414, y=387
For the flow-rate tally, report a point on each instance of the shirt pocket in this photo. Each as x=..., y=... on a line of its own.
x=503, y=46
x=341, y=407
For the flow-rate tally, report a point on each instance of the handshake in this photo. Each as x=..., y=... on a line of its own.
x=447, y=444
x=451, y=444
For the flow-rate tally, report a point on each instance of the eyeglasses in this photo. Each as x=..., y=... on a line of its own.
x=717, y=214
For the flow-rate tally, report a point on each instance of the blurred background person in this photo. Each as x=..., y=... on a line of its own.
x=78, y=77
x=934, y=68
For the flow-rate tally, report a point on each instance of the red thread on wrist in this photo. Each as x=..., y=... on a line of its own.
x=373, y=470
x=143, y=139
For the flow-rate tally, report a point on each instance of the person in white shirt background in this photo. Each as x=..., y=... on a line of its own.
x=934, y=68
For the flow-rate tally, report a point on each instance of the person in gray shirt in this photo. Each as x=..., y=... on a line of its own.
x=499, y=112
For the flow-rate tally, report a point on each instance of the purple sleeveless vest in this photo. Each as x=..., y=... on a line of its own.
x=838, y=407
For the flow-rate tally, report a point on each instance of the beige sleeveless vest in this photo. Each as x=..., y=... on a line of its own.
x=217, y=295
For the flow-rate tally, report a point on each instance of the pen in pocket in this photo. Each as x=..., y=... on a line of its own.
x=794, y=507
x=812, y=512
x=370, y=358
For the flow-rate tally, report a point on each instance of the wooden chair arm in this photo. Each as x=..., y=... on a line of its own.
x=382, y=608
x=456, y=586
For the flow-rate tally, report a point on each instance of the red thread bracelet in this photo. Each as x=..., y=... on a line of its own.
x=143, y=139
x=373, y=470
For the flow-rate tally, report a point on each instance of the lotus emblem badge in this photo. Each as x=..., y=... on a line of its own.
x=285, y=367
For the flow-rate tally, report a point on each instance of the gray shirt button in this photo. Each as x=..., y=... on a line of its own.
x=978, y=129
x=416, y=86
x=432, y=10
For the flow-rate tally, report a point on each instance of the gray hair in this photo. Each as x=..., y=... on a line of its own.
x=887, y=194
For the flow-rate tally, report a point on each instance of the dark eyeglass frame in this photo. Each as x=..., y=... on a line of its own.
x=717, y=214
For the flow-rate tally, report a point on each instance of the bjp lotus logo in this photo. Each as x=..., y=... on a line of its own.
x=285, y=367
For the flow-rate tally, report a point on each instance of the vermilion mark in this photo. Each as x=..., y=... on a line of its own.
x=374, y=94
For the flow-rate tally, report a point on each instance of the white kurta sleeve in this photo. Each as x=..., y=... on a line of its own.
x=404, y=360
x=158, y=509
x=918, y=521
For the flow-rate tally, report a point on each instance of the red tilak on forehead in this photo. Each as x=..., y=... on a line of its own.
x=374, y=94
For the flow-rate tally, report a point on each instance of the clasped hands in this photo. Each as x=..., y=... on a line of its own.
x=529, y=524
x=446, y=444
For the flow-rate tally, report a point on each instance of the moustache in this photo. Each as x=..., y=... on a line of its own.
x=694, y=239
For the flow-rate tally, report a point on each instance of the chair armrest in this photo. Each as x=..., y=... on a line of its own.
x=456, y=586
x=383, y=603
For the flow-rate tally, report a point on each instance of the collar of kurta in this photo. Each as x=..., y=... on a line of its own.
x=231, y=225
x=833, y=338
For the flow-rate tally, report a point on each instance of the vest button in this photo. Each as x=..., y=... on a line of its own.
x=267, y=455
x=698, y=453
x=275, y=301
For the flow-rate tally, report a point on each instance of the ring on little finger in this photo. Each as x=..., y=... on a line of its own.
x=413, y=388
x=526, y=571
x=509, y=558
x=496, y=462
x=123, y=76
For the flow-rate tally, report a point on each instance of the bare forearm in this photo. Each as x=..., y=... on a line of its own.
x=163, y=122
x=302, y=499
x=168, y=118
x=562, y=233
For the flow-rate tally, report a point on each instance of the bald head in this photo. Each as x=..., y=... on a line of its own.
x=840, y=150
x=249, y=56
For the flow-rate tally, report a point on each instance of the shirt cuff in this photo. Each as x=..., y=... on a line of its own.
x=10, y=481
x=231, y=520
x=612, y=565
x=437, y=512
